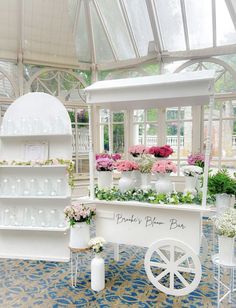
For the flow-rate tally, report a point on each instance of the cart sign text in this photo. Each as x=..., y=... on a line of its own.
x=148, y=221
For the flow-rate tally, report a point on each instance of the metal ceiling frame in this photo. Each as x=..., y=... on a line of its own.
x=105, y=29
x=129, y=28
x=214, y=33
x=90, y=30
x=232, y=11
x=185, y=24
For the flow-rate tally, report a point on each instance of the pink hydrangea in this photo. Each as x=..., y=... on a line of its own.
x=114, y=156
x=163, y=151
x=136, y=150
x=164, y=166
x=126, y=165
x=104, y=164
x=196, y=159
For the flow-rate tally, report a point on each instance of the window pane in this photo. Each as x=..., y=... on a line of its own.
x=151, y=138
x=228, y=139
x=186, y=113
x=172, y=136
x=171, y=114
x=138, y=116
x=118, y=138
x=215, y=137
x=104, y=139
x=185, y=139
x=152, y=115
x=138, y=134
x=118, y=116
x=103, y=116
x=83, y=165
x=82, y=116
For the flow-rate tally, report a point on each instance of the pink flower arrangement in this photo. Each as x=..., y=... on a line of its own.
x=136, y=150
x=164, y=166
x=163, y=151
x=196, y=159
x=78, y=212
x=104, y=164
x=114, y=156
x=126, y=165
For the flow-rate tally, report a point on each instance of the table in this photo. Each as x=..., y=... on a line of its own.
x=230, y=288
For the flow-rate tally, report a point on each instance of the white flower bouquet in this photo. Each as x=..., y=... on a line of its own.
x=226, y=223
x=96, y=244
x=192, y=170
x=145, y=163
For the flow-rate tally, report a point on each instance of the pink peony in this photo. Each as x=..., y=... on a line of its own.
x=136, y=150
x=164, y=166
x=163, y=151
x=196, y=159
x=104, y=164
x=126, y=165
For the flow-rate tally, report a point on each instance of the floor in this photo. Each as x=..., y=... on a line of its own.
x=47, y=284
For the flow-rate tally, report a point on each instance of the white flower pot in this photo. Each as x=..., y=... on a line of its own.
x=190, y=184
x=97, y=273
x=126, y=182
x=104, y=179
x=163, y=184
x=145, y=181
x=79, y=235
x=223, y=202
x=136, y=176
x=226, y=250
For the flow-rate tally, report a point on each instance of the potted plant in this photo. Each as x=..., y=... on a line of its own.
x=97, y=264
x=126, y=167
x=196, y=159
x=223, y=186
x=226, y=229
x=163, y=152
x=145, y=163
x=79, y=217
x=104, y=166
x=191, y=174
x=137, y=150
x=163, y=168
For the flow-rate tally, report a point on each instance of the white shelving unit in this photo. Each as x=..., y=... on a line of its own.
x=32, y=198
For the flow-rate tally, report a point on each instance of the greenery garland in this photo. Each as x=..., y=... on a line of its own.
x=150, y=196
x=49, y=162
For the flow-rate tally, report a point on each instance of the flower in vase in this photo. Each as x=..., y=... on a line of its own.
x=126, y=165
x=78, y=212
x=96, y=244
x=196, y=159
x=164, y=166
x=164, y=151
x=114, y=156
x=104, y=164
x=136, y=150
x=226, y=223
x=192, y=170
x=145, y=163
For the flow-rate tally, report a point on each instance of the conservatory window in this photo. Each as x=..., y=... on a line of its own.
x=223, y=135
x=80, y=138
x=112, y=135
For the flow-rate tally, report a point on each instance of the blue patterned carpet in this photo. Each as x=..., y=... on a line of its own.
x=48, y=284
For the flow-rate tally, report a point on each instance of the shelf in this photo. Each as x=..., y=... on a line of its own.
x=34, y=136
x=24, y=228
x=36, y=166
x=36, y=197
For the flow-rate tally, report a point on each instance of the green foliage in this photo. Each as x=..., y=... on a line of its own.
x=221, y=182
x=149, y=196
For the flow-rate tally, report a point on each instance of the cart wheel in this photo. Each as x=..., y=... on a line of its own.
x=173, y=267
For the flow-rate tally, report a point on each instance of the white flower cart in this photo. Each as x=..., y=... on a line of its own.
x=172, y=233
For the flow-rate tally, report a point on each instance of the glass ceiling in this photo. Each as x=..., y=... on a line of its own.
x=115, y=33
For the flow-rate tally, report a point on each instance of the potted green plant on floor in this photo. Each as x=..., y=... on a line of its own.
x=223, y=186
x=226, y=229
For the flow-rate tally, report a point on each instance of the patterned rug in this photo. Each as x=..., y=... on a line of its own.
x=48, y=284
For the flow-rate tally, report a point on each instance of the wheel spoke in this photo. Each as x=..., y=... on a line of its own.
x=161, y=275
x=182, y=259
x=162, y=256
x=186, y=269
x=182, y=279
x=158, y=264
x=172, y=279
x=172, y=253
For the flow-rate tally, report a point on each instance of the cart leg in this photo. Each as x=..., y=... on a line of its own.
x=116, y=252
x=218, y=293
